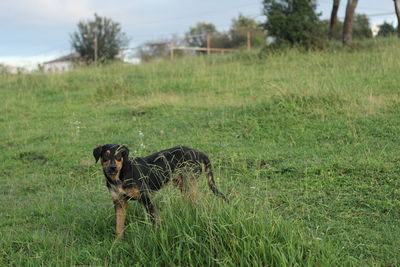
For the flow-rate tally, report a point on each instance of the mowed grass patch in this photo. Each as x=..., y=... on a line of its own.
x=305, y=145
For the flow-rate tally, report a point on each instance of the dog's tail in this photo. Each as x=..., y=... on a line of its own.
x=206, y=166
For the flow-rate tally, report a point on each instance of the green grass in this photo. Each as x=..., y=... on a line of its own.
x=305, y=145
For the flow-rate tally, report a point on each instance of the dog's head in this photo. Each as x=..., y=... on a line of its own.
x=112, y=158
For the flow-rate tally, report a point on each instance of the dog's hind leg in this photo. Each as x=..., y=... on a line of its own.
x=145, y=200
x=178, y=181
x=186, y=181
x=193, y=187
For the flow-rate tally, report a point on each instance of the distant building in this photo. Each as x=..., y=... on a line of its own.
x=375, y=31
x=61, y=64
x=8, y=69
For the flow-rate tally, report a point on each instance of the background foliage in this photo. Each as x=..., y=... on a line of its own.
x=293, y=22
x=110, y=39
x=386, y=29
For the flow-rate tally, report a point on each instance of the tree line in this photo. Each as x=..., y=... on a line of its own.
x=288, y=23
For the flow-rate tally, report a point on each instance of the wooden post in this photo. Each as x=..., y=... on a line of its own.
x=208, y=43
x=171, y=50
x=248, y=39
x=96, y=32
x=95, y=49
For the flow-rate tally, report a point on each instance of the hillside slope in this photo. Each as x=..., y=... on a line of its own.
x=305, y=145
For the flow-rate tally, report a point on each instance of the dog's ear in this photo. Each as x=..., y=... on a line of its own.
x=124, y=151
x=97, y=152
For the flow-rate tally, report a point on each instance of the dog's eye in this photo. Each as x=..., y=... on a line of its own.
x=118, y=157
x=105, y=158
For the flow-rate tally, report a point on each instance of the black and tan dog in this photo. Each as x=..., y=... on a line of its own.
x=135, y=178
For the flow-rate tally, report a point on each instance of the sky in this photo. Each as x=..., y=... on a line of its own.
x=35, y=31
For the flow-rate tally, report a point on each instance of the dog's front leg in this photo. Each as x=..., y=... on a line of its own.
x=145, y=200
x=120, y=213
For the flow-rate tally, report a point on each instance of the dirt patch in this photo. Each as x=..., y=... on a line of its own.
x=33, y=156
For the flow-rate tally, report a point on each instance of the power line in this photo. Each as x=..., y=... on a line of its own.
x=380, y=14
x=255, y=16
x=54, y=48
x=157, y=35
x=260, y=15
x=358, y=6
x=202, y=13
x=217, y=26
x=376, y=14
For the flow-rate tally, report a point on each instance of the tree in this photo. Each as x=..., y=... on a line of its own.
x=99, y=39
x=348, y=22
x=397, y=10
x=386, y=29
x=197, y=35
x=153, y=50
x=294, y=22
x=361, y=27
x=334, y=19
x=159, y=49
x=336, y=32
x=244, y=29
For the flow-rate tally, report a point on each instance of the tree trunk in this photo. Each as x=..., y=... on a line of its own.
x=348, y=22
x=334, y=19
x=396, y=8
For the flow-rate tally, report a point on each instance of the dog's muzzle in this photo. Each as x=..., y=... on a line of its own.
x=111, y=170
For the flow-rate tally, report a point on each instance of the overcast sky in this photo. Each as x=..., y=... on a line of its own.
x=41, y=28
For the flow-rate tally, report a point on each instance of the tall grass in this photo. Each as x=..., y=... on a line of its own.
x=304, y=144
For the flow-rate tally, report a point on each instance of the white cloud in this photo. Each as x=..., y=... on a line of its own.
x=44, y=12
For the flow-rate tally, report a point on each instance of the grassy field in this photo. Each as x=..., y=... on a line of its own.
x=305, y=145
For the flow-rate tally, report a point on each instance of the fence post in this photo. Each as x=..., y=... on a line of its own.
x=208, y=43
x=248, y=39
x=171, y=50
